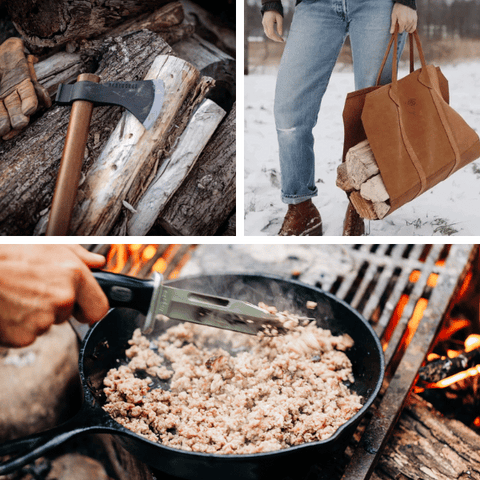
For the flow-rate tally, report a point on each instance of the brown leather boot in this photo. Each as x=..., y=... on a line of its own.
x=302, y=219
x=353, y=224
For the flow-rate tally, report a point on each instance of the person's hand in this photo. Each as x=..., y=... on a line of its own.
x=271, y=19
x=45, y=284
x=406, y=18
x=20, y=93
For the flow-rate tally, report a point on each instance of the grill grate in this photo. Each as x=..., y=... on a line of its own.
x=405, y=291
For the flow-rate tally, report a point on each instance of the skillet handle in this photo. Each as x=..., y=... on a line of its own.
x=125, y=291
x=34, y=446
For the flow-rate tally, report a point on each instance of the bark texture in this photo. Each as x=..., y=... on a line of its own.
x=56, y=22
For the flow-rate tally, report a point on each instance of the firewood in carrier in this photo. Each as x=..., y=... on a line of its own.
x=364, y=207
x=343, y=181
x=374, y=190
x=173, y=170
x=368, y=209
x=361, y=164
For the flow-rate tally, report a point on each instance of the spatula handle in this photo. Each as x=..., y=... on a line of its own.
x=125, y=291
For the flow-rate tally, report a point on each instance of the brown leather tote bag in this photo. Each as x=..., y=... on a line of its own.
x=417, y=139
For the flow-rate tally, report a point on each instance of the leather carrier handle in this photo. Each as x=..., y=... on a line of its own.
x=394, y=40
x=71, y=163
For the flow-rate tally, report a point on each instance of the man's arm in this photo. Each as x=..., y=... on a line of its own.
x=45, y=284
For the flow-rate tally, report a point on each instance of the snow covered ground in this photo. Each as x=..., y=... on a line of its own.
x=450, y=208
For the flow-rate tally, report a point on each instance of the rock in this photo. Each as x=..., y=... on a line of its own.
x=39, y=383
x=74, y=466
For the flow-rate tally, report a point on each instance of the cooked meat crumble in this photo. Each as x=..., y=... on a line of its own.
x=273, y=393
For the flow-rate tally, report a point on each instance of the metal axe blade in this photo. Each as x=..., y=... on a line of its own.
x=142, y=99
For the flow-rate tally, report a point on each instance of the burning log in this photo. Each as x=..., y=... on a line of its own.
x=436, y=370
x=359, y=176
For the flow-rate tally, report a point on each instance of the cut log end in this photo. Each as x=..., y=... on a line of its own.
x=360, y=177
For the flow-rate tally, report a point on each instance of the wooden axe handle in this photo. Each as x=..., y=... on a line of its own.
x=71, y=163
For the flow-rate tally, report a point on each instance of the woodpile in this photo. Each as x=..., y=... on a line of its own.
x=178, y=176
x=360, y=177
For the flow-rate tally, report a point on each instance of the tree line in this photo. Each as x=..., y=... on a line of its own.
x=438, y=19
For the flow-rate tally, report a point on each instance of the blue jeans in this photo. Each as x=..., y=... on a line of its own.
x=316, y=36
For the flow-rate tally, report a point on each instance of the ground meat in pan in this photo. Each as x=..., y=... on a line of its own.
x=274, y=392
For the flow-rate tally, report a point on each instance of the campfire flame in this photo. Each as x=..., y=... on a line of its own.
x=142, y=260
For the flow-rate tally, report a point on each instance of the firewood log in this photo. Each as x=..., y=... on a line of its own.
x=207, y=197
x=174, y=170
x=359, y=177
x=361, y=164
x=59, y=68
x=53, y=23
x=123, y=170
x=364, y=207
x=343, y=180
x=210, y=27
x=167, y=21
x=374, y=190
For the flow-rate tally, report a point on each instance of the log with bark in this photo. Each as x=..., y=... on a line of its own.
x=360, y=177
x=425, y=445
x=56, y=22
x=211, y=27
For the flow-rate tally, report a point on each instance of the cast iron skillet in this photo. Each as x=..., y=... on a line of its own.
x=103, y=348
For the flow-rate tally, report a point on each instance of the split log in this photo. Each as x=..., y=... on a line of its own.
x=59, y=68
x=343, y=180
x=374, y=190
x=207, y=197
x=361, y=164
x=56, y=22
x=212, y=62
x=30, y=160
x=364, y=207
x=210, y=27
x=174, y=170
x=123, y=170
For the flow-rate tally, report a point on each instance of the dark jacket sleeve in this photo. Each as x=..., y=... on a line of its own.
x=269, y=5
x=277, y=5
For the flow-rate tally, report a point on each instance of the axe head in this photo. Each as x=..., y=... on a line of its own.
x=142, y=99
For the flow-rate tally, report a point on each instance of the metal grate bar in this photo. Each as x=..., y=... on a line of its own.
x=383, y=421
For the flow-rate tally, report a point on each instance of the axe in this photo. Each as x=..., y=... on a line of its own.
x=143, y=99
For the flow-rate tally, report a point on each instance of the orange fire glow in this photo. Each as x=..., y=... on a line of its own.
x=133, y=259
x=446, y=382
